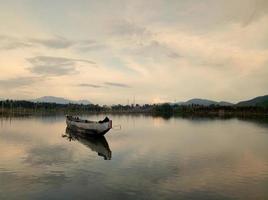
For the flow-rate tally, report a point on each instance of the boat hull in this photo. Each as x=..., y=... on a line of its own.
x=91, y=128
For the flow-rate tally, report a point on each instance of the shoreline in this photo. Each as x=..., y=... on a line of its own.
x=192, y=113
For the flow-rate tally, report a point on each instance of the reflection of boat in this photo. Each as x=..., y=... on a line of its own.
x=89, y=127
x=96, y=143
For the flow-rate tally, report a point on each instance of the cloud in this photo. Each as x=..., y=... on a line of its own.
x=258, y=9
x=55, y=43
x=90, y=45
x=9, y=43
x=213, y=44
x=199, y=16
x=117, y=84
x=89, y=85
x=55, y=66
x=154, y=50
x=128, y=29
x=106, y=85
x=214, y=60
x=19, y=82
x=58, y=42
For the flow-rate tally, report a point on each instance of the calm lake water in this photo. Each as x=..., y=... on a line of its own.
x=149, y=158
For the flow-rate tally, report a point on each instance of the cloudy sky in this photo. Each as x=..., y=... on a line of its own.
x=112, y=51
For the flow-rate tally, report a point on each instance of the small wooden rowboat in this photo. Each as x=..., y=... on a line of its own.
x=90, y=127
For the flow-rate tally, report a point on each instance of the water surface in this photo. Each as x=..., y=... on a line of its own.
x=149, y=158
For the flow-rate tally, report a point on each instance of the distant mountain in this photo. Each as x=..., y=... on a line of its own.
x=204, y=102
x=225, y=103
x=257, y=101
x=59, y=100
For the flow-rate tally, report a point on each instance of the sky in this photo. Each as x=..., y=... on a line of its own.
x=115, y=51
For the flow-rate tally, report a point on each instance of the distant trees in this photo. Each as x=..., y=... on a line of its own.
x=21, y=105
x=162, y=109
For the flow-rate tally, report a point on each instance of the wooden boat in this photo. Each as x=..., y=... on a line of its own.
x=89, y=127
x=97, y=144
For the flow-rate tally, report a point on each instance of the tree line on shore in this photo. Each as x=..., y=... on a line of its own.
x=21, y=106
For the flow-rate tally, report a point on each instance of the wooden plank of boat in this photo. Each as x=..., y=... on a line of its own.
x=90, y=127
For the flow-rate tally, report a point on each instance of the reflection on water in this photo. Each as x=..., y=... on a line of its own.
x=153, y=158
x=96, y=143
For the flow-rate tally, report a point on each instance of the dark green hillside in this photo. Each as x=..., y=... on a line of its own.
x=261, y=101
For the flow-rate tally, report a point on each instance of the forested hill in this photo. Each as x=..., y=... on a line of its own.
x=257, y=101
